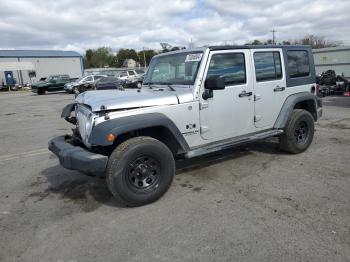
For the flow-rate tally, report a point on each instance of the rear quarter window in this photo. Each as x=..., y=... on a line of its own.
x=298, y=63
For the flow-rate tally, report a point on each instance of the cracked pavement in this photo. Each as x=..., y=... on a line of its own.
x=252, y=203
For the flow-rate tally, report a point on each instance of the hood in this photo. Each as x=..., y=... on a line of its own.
x=40, y=83
x=124, y=99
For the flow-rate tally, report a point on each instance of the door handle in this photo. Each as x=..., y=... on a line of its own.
x=244, y=93
x=279, y=89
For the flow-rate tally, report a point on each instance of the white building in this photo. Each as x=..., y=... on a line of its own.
x=130, y=63
x=18, y=64
x=335, y=58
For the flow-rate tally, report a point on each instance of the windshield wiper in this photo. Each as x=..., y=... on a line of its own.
x=170, y=85
x=149, y=84
x=171, y=88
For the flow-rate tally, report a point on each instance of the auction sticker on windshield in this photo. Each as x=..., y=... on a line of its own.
x=194, y=57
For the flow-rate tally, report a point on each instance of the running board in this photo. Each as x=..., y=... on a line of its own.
x=227, y=143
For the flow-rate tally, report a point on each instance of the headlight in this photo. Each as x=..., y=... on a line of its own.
x=85, y=122
x=89, y=125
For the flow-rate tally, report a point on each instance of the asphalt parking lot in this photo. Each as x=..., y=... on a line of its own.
x=251, y=203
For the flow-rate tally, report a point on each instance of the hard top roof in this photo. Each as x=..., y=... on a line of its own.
x=228, y=47
x=233, y=47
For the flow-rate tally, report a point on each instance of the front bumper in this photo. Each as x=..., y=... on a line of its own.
x=77, y=158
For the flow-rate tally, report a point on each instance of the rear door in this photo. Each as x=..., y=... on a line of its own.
x=269, y=85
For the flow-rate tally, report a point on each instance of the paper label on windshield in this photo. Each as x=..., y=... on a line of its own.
x=194, y=57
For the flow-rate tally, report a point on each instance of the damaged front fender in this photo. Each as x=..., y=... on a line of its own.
x=66, y=113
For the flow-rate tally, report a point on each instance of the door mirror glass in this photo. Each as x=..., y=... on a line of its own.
x=215, y=83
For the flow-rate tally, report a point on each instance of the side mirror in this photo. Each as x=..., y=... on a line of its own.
x=215, y=83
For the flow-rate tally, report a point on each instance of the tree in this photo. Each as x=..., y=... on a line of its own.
x=316, y=41
x=148, y=54
x=256, y=42
x=124, y=54
x=31, y=75
x=100, y=57
x=88, y=58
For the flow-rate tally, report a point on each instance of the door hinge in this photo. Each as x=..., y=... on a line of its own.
x=204, y=129
x=203, y=105
x=257, y=97
x=257, y=118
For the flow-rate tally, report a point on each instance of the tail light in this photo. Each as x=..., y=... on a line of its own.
x=315, y=90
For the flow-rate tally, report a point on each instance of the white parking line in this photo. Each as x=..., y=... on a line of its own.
x=37, y=152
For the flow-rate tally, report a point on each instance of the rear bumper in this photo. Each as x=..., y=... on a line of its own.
x=77, y=158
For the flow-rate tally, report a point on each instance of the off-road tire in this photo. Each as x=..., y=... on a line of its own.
x=293, y=141
x=119, y=172
x=41, y=91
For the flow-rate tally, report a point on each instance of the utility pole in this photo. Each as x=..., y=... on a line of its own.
x=191, y=44
x=144, y=58
x=273, y=36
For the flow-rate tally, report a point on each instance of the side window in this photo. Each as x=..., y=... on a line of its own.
x=298, y=64
x=89, y=78
x=122, y=74
x=131, y=73
x=267, y=66
x=231, y=66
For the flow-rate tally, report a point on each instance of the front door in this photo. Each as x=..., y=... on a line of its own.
x=229, y=112
x=270, y=86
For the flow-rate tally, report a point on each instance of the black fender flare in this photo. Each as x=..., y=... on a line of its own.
x=122, y=125
x=289, y=105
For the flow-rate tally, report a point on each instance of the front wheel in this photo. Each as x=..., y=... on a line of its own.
x=41, y=91
x=140, y=171
x=298, y=132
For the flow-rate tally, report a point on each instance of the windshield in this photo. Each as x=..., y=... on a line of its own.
x=53, y=78
x=179, y=68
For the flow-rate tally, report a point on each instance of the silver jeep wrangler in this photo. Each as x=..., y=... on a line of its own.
x=192, y=102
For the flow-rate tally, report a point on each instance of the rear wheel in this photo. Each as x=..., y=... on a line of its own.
x=298, y=132
x=140, y=170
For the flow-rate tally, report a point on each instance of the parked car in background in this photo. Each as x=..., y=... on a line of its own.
x=52, y=83
x=135, y=75
x=110, y=83
x=89, y=79
x=131, y=74
x=106, y=83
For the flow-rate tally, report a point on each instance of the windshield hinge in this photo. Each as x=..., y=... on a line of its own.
x=203, y=105
x=204, y=129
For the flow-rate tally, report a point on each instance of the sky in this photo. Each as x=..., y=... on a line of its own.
x=80, y=25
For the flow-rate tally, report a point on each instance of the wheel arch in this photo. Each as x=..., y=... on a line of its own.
x=154, y=125
x=304, y=100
